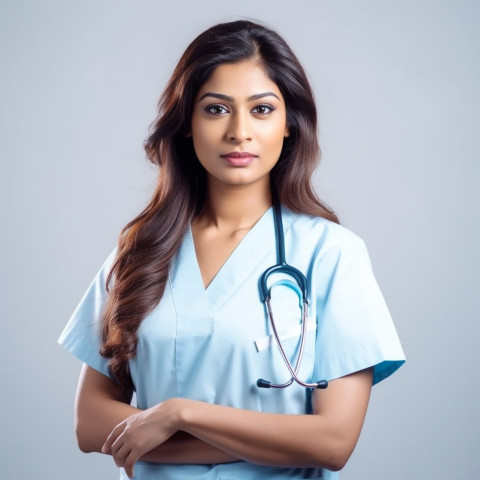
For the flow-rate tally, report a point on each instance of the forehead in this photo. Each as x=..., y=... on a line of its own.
x=239, y=80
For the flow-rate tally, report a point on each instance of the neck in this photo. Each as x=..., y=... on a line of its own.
x=236, y=207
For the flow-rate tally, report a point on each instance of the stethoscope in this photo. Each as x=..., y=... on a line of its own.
x=301, y=289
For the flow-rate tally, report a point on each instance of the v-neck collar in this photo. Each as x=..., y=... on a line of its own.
x=255, y=245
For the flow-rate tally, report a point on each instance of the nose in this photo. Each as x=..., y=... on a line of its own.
x=239, y=128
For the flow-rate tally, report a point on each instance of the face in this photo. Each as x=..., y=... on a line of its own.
x=238, y=124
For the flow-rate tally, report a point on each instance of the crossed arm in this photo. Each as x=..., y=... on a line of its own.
x=188, y=431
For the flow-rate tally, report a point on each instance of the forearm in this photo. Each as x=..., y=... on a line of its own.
x=183, y=448
x=323, y=439
x=180, y=448
x=100, y=407
x=263, y=438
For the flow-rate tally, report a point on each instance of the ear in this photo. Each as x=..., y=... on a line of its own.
x=287, y=132
x=188, y=133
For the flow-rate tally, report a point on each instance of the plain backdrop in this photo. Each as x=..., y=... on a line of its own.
x=397, y=87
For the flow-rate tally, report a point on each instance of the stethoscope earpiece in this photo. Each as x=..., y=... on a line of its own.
x=261, y=383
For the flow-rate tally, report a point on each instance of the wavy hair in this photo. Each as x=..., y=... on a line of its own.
x=149, y=242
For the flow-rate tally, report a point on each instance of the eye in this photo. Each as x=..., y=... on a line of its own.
x=263, y=109
x=216, y=109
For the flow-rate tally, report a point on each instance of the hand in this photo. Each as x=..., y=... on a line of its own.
x=140, y=433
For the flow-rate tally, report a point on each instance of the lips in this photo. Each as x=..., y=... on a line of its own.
x=239, y=159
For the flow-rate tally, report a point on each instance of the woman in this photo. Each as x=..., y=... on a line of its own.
x=175, y=313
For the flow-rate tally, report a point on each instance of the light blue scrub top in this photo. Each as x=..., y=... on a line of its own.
x=213, y=344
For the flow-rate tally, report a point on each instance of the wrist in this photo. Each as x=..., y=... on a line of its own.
x=178, y=413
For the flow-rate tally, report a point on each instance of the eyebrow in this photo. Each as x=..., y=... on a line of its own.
x=231, y=99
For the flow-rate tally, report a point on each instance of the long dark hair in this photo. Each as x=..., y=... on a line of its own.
x=148, y=243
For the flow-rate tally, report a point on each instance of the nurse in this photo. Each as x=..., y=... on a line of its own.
x=175, y=313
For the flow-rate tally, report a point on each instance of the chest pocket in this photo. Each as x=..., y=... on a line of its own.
x=288, y=337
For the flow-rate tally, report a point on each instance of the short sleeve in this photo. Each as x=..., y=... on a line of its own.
x=81, y=336
x=355, y=330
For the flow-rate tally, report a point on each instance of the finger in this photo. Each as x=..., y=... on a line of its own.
x=114, y=434
x=130, y=464
x=122, y=454
x=117, y=445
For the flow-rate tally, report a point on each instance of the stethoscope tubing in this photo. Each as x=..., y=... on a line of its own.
x=283, y=267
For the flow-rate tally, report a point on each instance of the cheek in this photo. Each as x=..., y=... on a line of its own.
x=204, y=136
x=274, y=136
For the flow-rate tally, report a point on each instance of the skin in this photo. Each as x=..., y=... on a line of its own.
x=188, y=431
x=237, y=197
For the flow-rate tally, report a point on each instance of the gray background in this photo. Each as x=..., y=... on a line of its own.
x=397, y=89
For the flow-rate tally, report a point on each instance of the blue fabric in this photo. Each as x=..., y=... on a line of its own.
x=213, y=344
